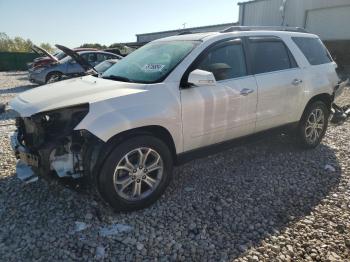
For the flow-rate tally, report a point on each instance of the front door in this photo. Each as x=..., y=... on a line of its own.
x=212, y=114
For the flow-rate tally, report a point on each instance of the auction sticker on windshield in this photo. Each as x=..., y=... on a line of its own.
x=153, y=67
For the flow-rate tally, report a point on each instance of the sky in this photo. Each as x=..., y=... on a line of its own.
x=74, y=22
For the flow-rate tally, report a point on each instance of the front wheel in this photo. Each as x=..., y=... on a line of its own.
x=53, y=77
x=313, y=125
x=136, y=173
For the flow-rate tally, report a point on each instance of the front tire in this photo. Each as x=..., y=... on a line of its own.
x=313, y=125
x=53, y=77
x=136, y=173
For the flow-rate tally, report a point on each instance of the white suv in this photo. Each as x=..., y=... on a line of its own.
x=169, y=99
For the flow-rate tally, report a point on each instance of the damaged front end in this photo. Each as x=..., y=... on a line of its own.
x=47, y=142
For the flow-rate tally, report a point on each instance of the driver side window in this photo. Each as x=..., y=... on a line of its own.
x=225, y=62
x=90, y=57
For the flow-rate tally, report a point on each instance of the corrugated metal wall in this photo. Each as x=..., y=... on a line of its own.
x=15, y=61
x=335, y=22
x=330, y=19
x=266, y=12
x=262, y=13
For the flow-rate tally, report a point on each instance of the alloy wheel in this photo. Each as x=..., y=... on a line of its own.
x=138, y=174
x=314, y=126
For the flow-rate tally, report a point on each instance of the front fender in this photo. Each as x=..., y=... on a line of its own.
x=111, y=117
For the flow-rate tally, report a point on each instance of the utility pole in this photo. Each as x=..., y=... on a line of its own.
x=184, y=25
x=283, y=11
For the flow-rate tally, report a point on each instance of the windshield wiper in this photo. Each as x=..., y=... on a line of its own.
x=117, y=78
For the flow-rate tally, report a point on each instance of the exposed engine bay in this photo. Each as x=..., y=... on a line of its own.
x=48, y=142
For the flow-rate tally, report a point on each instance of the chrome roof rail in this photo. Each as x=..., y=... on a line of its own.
x=264, y=28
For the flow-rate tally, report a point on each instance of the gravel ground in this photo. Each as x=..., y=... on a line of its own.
x=265, y=201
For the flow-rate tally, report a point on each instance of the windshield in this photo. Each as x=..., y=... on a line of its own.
x=60, y=55
x=151, y=63
x=68, y=58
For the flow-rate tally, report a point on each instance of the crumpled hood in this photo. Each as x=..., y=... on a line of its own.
x=71, y=92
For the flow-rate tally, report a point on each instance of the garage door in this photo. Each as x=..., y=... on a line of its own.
x=329, y=23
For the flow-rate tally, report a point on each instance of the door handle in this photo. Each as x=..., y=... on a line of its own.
x=246, y=91
x=297, y=82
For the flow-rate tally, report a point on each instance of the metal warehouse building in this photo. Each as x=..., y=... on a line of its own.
x=330, y=19
x=148, y=37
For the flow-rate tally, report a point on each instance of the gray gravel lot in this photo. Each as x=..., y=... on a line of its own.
x=265, y=201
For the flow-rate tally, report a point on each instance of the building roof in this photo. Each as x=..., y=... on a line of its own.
x=250, y=2
x=188, y=29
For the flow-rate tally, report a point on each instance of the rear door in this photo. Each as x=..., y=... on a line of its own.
x=212, y=114
x=279, y=81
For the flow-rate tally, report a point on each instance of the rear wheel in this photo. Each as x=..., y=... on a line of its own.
x=136, y=173
x=313, y=125
x=53, y=77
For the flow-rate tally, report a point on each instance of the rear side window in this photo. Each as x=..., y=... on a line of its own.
x=270, y=55
x=313, y=49
x=225, y=62
x=101, y=57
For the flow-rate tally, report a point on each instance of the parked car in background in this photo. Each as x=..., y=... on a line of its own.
x=172, y=99
x=89, y=69
x=68, y=67
x=48, y=58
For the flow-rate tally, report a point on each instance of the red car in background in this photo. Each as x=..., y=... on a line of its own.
x=46, y=58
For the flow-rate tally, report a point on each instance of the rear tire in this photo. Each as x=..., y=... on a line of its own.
x=313, y=125
x=136, y=173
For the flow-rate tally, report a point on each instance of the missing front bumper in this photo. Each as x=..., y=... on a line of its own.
x=25, y=161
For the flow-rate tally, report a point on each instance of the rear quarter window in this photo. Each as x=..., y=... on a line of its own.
x=313, y=49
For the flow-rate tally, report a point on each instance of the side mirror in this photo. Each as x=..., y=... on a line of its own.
x=201, y=78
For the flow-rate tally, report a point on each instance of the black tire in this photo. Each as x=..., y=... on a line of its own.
x=2, y=108
x=106, y=183
x=53, y=77
x=303, y=140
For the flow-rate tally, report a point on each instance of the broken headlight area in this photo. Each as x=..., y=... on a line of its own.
x=51, y=137
x=52, y=125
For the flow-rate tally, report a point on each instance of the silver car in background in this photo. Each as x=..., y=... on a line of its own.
x=68, y=67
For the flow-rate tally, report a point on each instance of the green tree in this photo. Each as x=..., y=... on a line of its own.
x=95, y=45
x=19, y=44
x=47, y=47
x=5, y=42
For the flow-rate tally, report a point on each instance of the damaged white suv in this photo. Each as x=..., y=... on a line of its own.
x=126, y=128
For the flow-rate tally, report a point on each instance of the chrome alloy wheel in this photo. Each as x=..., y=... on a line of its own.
x=138, y=174
x=314, y=126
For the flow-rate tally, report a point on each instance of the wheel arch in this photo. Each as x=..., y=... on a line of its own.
x=324, y=97
x=152, y=130
x=51, y=73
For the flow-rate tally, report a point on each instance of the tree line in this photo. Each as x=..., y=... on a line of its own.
x=19, y=44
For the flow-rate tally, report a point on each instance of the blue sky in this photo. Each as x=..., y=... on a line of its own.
x=74, y=22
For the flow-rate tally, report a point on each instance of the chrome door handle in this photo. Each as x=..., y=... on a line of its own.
x=297, y=82
x=246, y=91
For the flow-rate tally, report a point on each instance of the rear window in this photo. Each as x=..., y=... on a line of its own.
x=313, y=49
x=269, y=56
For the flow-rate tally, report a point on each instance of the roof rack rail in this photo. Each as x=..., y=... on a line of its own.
x=185, y=33
x=267, y=28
